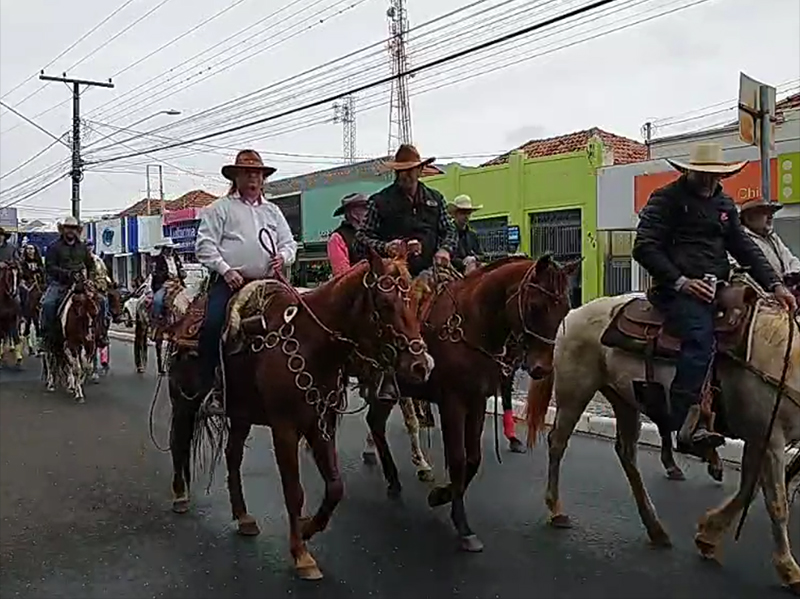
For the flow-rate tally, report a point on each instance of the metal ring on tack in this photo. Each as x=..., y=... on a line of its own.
x=257, y=344
x=298, y=377
x=286, y=331
x=272, y=340
x=416, y=347
x=292, y=343
x=296, y=359
x=313, y=396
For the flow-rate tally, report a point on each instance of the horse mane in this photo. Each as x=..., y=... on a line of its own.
x=767, y=346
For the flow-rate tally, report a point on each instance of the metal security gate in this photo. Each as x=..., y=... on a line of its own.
x=492, y=235
x=559, y=233
x=618, y=277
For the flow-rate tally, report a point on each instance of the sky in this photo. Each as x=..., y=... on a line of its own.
x=679, y=70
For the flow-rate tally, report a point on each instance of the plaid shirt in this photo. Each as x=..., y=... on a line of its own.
x=446, y=228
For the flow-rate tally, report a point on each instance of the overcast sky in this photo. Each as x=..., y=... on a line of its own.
x=661, y=69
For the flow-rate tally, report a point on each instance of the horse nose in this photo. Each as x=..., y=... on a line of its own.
x=539, y=372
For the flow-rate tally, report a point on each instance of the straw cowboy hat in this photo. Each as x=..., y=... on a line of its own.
x=166, y=242
x=762, y=204
x=70, y=222
x=350, y=201
x=406, y=158
x=246, y=160
x=707, y=158
x=463, y=203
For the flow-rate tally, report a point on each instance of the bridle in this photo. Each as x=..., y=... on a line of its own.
x=521, y=294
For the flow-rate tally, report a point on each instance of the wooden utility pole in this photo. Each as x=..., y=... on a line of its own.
x=77, y=164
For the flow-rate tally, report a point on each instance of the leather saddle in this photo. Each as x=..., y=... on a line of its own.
x=186, y=331
x=639, y=327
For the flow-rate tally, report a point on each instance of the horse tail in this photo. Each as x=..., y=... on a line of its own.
x=539, y=394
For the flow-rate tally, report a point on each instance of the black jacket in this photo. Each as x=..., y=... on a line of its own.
x=392, y=215
x=64, y=260
x=467, y=244
x=161, y=272
x=683, y=234
x=356, y=251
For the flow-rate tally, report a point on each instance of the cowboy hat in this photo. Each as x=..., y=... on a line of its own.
x=161, y=245
x=349, y=201
x=761, y=203
x=247, y=160
x=70, y=222
x=707, y=158
x=406, y=158
x=462, y=202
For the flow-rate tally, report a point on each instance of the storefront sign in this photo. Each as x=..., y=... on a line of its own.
x=183, y=235
x=149, y=230
x=109, y=238
x=8, y=219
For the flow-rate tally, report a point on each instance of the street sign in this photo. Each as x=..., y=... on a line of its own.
x=750, y=108
x=512, y=234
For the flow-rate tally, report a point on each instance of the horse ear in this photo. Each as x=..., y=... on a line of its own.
x=543, y=263
x=572, y=266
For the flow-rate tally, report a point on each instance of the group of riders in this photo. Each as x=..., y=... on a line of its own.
x=689, y=235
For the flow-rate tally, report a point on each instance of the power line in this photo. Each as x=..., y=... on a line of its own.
x=29, y=121
x=32, y=158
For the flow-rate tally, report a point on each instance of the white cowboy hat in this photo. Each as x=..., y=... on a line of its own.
x=70, y=221
x=160, y=245
x=707, y=158
x=462, y=202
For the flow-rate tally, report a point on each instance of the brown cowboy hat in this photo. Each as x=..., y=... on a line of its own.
x=406, y=158
x=349, y=201
x=247, y=160
x=707, y=158
x=761, y=203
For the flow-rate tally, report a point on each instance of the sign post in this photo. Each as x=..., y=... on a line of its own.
x=757, y=123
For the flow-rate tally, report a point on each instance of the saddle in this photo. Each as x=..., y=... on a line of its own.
x=185, y=332
x=639, y=327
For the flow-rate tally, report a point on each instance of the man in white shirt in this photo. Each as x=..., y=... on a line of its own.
x=757, y=216
x=228, y=245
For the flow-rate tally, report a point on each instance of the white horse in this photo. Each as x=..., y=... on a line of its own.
x=584, y=366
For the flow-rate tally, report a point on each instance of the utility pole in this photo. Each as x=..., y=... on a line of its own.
x=161, y=188
x=647, y=133
x=764, y=141
x=77, y=164
x=345, y=113
x=399, y=105
x=147, y=174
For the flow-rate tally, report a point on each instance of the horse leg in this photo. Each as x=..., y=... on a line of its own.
x=424, y=470
x=234, y=454
x=626, y=445
x=775, y=498
x=324, y=452
x=140, y=345
x=377, y=415
x=713, y=525
x=180, y=446
x=285, y=440
x=368, y=455
x=49, y=371
x=75, y=376
x=671, y=467
x=473, y=435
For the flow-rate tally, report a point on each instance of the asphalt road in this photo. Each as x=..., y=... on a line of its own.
x=85, y=512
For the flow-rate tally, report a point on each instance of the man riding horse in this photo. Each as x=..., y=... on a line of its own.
x=682, y=238
x=409, y=211
x=102, y=282
x=228, y=244
x=467, y=253
x=167, y=266
x=66, y=261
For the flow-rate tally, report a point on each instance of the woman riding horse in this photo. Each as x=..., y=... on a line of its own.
x=31, y=290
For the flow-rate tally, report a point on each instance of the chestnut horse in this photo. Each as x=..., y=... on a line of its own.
x=477, y=330
x=68, y=354
x=101, y=357
x=176, y=303
x=10, y=313
x=30, y=312
x=284, y=362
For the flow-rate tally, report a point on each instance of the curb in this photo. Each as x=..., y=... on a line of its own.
x=597, y=426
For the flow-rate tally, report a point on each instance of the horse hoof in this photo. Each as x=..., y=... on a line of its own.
x=716, y=472
x=440, y=496
x=471, y=544
x=180, y=506
x=394, y=489
x=370, y=459
x=140, y=369
x=306, y=568
x=560, y=521
x=675, y=473
x=516, y=446
x=425, y=476
x=661, y=540
x=794, y=588
x=247, y=526
x=706, y=549
x=80, y=400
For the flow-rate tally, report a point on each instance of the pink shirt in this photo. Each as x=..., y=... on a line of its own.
x=338, y=255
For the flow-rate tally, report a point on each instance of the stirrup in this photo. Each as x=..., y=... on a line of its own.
x=212, y=404
x=387, y=390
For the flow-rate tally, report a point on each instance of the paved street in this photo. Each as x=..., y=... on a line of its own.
x=85, y=513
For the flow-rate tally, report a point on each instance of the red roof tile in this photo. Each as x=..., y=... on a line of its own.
x=193, y=199
x=625, y=150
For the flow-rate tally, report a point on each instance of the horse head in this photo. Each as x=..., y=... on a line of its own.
x=82, y=313
x=392, y=330
x=114, y=302
x=7, y=281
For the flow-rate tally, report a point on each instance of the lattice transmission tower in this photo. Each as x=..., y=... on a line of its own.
x=399, y=104
x=344, y=112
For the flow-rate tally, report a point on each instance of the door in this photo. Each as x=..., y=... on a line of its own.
x=492, y=235
x=559, y=232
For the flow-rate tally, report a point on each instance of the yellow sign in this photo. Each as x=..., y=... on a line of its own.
x=788, y=175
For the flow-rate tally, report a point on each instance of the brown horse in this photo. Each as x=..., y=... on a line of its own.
x=284, y=363
x=10, y=313
x=68, y=354
x=146, y=327
x=101, y=328
x=478, y=328
x=31, y=303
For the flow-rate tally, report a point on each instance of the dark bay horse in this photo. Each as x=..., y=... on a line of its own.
x=30, y=304
x=477, y=330
x=68, y=354
x=176, y=303
x=285, y=357
x=10, y=313
x=101, y=327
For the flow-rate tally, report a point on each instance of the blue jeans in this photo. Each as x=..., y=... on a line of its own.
x=53, y=296
x=208, y=344
x=692, y=321
x=158, y=301
x=105, y=308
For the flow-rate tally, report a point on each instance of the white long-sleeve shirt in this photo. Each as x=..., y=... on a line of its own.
x=777, y=254
x=228, y=237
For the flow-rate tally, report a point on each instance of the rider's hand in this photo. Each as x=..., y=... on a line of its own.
x=277, y=264
x=414, y=247
x=699, y=289
x=786, y=298
x=442, y=257
x=394, y=247
x=233, y=279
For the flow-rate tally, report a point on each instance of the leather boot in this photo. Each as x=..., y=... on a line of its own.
x=387, y=389
x=694, y=436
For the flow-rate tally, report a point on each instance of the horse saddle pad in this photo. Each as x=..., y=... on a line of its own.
x=640, y=328
x=186, y=330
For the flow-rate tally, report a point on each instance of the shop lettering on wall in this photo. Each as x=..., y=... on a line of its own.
x=184, y=235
